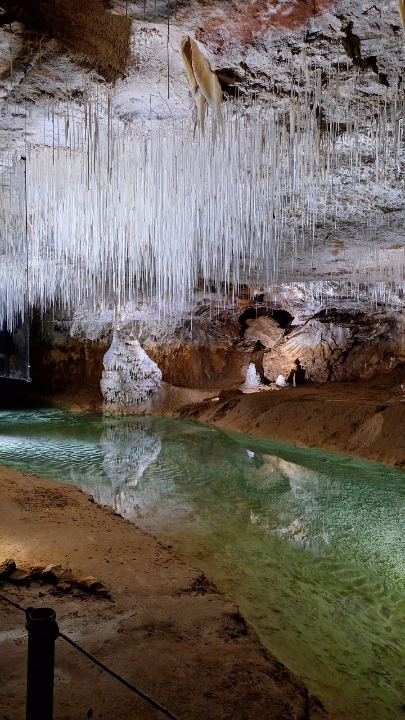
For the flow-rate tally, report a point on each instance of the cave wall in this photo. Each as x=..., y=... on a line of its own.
x=60, y=362
x=214, y=347
x=98, y=38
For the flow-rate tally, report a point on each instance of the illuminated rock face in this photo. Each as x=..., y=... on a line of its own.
x=313, y=346
x=264, y=329
x=129, y=379
x=344, y=348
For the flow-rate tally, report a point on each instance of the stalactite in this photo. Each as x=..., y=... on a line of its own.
x=142, y=213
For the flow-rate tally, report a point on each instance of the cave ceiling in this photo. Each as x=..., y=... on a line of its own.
x=49, y=50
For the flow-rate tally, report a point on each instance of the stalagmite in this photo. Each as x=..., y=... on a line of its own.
x=252, y=380
x=129, y=379
x=281, y=381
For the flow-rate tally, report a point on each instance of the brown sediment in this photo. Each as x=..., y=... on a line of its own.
x=86, y=29
x=365, y=419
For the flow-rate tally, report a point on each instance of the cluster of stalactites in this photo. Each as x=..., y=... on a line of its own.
x=148, y=213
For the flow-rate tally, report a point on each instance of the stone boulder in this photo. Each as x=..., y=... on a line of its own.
x=19, y=577
x=313, y=347
x=51, y=574
x=264, y=329
x=7, y=567
x=92, y=585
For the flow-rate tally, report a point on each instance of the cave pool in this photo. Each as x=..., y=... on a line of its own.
x=310, y=543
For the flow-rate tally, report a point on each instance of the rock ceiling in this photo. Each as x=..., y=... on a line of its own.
x=49, y=50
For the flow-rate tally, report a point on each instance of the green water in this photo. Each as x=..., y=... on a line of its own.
x=311, y=544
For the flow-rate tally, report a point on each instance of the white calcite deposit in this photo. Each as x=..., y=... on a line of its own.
x=129, y=379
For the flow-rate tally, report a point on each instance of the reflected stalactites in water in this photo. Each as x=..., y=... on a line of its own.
x=134, y=213
x=299, y=487
x=128, y=449
x=301, y=479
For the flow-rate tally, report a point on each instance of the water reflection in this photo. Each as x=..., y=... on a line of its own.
x=311, y=544
x=128, y=449
x=303, y=484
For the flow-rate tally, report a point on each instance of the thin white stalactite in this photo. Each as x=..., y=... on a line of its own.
x=143, y=213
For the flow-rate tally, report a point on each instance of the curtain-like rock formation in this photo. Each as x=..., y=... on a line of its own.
x=203, y=79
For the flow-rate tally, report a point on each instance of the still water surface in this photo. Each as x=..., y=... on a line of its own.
x=311, y=544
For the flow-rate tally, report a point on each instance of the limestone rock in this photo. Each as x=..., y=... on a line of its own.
x=91, y=584
x=264, y=329
x=203, y=352
x=52, y=573
x=337, y=346
x=36, y=572
x=6, y=568
x=66, y=576
x=19, y=577
x=91, y=325
x=312, y=347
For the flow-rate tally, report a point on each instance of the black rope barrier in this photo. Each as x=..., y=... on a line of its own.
x=113, y=674
x=11, y=602
x=104, y=667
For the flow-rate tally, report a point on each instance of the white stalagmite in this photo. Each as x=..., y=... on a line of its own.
x=252, y=380
x=133, y=213
x=281, y=381
x=129, y=379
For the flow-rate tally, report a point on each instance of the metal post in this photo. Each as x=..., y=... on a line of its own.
x=42, y=633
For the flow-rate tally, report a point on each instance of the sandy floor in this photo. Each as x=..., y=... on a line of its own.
x=166, y=628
